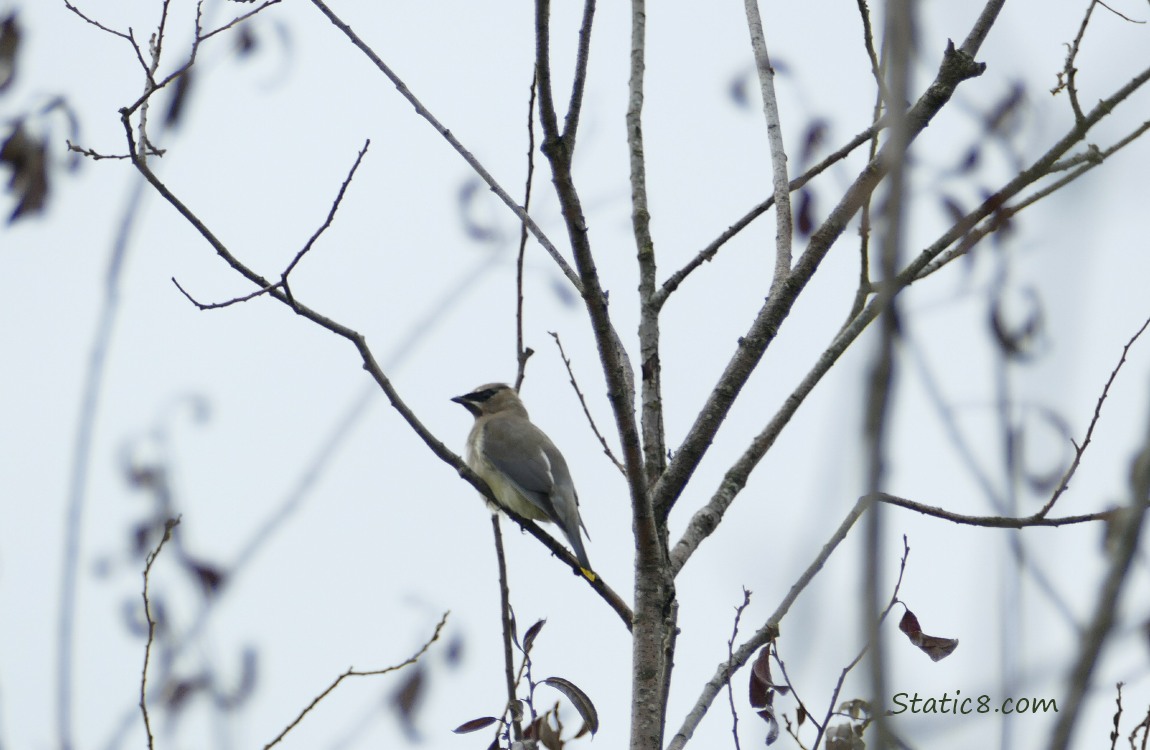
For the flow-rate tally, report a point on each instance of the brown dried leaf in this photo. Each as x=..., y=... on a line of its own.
x=760, y=683
x=578, y=699
x=934, y=647
x=9, y=46
x=532, y=632
x=475, y=725
x=28, y=159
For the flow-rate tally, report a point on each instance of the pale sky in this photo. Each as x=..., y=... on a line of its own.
x=365, y=559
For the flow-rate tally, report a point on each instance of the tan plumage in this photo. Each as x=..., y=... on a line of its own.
x=523, y=467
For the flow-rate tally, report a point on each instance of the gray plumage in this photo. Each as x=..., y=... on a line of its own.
x=519, y=462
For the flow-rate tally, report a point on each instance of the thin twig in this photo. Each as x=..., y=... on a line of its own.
x=330, y=214
x=352, y=672
x=96, y=23
x=523, y=354
x=226, y=303
x=995, y=522
x=238, y=20
x=774, y=646
x=1079, y=450
x=730, y=657
x=583, y=402
x=170, y=524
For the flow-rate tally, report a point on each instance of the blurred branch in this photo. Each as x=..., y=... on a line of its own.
x=351, y=672
x=170, y=524
x=933, y=258
x=1124, y=547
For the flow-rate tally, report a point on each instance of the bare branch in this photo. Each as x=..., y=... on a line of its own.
x=705, y=520
x=330, y=214
x=226, y=303
x=708, y=253
x=238, y=20
x=995, y=522
x=96, y=23
x=782, y=194
x=93, y=155
x=579, y=82
x=730, y=657
x=522, y=354
x=455, y=143
x=1079, y=450
x=351, y=672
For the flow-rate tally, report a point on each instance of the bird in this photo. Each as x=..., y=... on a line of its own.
x=524, y=469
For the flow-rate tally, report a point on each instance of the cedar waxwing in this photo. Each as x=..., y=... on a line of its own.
x=522, y=466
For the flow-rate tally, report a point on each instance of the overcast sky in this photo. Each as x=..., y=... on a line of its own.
x=362, y=558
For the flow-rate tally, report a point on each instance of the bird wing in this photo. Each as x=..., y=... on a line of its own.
x=532, y=472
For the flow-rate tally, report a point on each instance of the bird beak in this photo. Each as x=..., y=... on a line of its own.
x=467, y=404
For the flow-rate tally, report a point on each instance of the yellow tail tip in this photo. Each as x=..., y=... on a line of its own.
x=587, y=574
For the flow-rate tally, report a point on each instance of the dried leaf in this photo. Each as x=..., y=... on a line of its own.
x=471, y=201
x=934, y=647
x=28, y=159
x=578, y=699
x=815, y=136
x=453, y=653
x=230, y=701
x=246, y=40
x=475, y=725
x=9, y=46
x=179, y=100
x=529, y=636
x=768, y=715
x=1018, y=331
x=760, y=681
x=804, y=215
x=210, y=577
